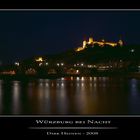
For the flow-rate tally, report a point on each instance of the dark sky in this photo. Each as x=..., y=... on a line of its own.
x=27, y=33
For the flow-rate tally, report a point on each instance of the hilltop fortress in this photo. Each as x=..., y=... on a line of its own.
x=100, y=43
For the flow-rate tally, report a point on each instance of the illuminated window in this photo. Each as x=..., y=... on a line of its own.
x=77, y=71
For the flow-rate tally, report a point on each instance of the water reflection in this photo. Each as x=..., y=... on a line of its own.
x=73, y=95
x=134, y=87
x=16, y=97
x=81, y=98
x=134, y=103
x=44, y=101
x=61, y=99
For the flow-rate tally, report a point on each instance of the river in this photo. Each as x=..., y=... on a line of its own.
x=71, y=96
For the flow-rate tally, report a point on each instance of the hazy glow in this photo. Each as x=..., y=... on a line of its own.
x=77, y=78
x=90, y=78
x=77, y=71
x=132, y=50
x=78, y=84
x=82, y=79
x=62, y=84
x=40, y=59
x=71, y=78
x=52, y=84
x=95, y=78
x=40, y=64
x=47, y=84
x=95, y=84
x=62, y=78
x=16, y=96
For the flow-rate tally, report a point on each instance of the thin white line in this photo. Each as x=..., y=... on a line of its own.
x=73, y=127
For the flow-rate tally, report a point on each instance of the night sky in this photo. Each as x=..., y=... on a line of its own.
x=24, y=34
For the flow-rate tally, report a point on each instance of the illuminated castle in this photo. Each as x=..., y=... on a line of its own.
x=100, y=43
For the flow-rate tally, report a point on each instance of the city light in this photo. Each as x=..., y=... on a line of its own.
x=71, y=78
x=58, y=64
x=52, y=84
x=40, y=64
x=89, y=66
x=77, y=78
x=95, y=78
x=90, y=78
x=17, y=63
x=11, y=72
x=62, y=84
x=82, y=78
x=77, y=71
x=132, y=50
x=62, y=78
x=46, y=64
x=47, y=84
x=62, y=64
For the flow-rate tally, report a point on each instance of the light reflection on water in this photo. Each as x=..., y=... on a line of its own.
x=74, y=95
x=134, y=102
